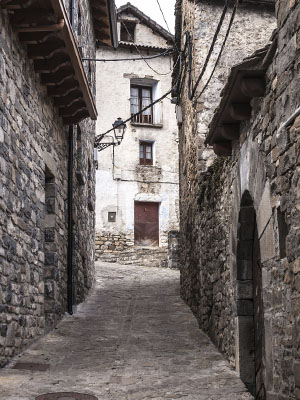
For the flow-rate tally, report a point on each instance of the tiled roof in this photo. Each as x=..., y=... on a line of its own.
x=146, y=20
x=142, y=46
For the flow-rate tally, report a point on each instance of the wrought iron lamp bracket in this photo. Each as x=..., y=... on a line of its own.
x=103, y=146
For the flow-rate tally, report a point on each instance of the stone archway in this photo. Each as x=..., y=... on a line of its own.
x=250, y=316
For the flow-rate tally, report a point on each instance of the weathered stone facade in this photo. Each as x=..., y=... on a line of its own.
x=34, y=199
x=229, y=205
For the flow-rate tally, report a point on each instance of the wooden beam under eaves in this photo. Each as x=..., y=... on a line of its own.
x=68, y=100
x=53, y=65
x=45, y=50
x=223, y=149
x=230, y=131
x=15, y=4
x=253, y=87
x=75, y=57
x=76, y=118
x=240, y=111
x=64, y=89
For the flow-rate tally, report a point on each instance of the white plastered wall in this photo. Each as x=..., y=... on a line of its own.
x=119, y=185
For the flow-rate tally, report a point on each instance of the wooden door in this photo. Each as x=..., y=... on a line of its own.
x=258, y=320
x=146, y=224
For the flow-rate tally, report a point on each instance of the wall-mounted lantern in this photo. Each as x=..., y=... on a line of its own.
x=119, y=130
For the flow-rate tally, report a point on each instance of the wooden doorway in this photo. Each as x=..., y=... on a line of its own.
x=146, y=223
x=250, y=313
x=258, y=319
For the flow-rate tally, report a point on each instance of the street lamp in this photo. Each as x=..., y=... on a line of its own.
x=119, y=130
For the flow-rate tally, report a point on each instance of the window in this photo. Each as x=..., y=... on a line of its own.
x=79, y=23
x=141, y=97
x=146, y=153
x=112, y=216
x=72, y=12
x=127, y=31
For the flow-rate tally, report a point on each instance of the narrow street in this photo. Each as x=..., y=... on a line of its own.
x=134, y=339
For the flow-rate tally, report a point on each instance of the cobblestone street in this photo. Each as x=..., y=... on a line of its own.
x=134, y=339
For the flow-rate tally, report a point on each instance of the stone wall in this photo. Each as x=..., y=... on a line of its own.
x=219, y=199
x=110, y=242
x=33, y=201
x=120, y=248
x=174, y=250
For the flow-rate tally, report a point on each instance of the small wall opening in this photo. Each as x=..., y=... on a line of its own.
x=250, y=319
x=283, y=231
x=50, y=248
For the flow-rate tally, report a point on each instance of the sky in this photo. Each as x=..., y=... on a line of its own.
x=151, y=9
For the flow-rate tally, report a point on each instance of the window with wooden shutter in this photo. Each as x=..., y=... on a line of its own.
x=140, y=98
x=146, y=153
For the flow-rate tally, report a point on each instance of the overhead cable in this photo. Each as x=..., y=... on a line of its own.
x=192, y=90
x=163, y=15
x=221, y=50
x=138, y=50
x=165, y=53
x=101, y=136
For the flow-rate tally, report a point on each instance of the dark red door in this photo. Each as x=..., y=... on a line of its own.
x=146, y=223
x=258, y=320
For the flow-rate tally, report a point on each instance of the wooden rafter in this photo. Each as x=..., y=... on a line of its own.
x=44, y=26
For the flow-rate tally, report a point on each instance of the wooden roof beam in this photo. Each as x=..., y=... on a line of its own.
x=57, y=78
x=230, y=131
x=33, y=16
x=253, y=87
x=42, y=28
x=104, y=33
x=69, y=99
x=54, y=65
x=15, y=5
x=34, y=37
x=75, y=108
x=101, y=6
x=76, y=119
x=63, y=89
x=240, y=111
x=99, y=13
x=223, y=149
x=45, y=50
x=73, y=51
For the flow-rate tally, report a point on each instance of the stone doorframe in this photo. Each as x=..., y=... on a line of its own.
x=251, y=186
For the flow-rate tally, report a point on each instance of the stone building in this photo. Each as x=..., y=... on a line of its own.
x=239, y=190
x=47, y=179
x=137, y=182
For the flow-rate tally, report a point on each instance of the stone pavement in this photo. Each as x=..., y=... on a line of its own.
x=132, y=339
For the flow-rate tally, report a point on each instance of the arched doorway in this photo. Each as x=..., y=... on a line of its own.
x=250, y=315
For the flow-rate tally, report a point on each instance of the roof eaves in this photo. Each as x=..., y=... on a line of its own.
x=105, y=21
x=253, y=67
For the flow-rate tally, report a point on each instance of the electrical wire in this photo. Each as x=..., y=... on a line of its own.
x=165, y=53
x=163, y=15
x=138, y=50
x=101, y=136
x=221, y=50
x=192, y=89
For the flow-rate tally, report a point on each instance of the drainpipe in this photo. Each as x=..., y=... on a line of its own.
x=70, y=221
